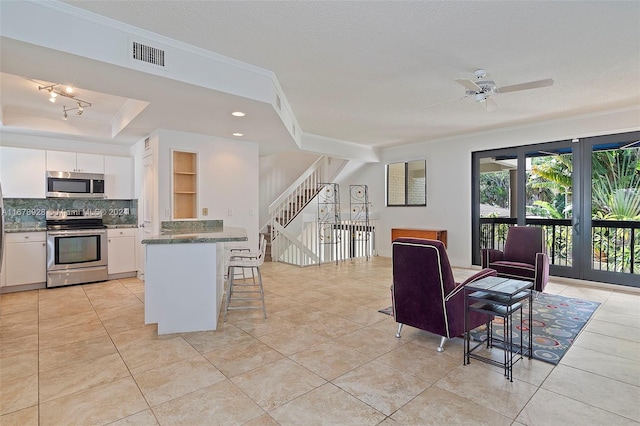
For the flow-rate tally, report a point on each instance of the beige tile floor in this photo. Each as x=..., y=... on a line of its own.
x=82, y=355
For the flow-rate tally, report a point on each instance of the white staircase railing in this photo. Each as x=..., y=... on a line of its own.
x=287, y=206
x=295, y=236
x=300, y=245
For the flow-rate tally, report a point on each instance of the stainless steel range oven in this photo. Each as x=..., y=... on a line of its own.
x=76, y=247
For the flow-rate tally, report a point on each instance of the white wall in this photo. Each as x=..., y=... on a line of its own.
x=227, y=178
x=449, y=175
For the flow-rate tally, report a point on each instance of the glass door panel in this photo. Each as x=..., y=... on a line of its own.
x=549, y=201
x=498, y=189
x=614, y=210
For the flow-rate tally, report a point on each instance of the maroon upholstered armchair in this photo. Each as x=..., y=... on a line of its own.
x=425, y=294
x=524, y=256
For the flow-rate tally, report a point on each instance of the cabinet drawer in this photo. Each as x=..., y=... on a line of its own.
x=121, y=232
x=26, y=237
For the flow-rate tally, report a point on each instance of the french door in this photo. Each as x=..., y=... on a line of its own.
x=585, y=194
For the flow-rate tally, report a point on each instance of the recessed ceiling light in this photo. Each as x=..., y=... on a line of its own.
x=238, y=134
x=69, y=89
x=238, y=114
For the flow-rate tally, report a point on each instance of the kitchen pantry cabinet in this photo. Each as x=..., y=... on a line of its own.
x=122, y=250
x=118, y=177
x=22, y=172
x=59, y=161
x=25, y=258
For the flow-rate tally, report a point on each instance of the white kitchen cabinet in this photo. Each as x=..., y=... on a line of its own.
x=118, y=177
x=60, y=161
x=25, y=258
x=3, y=272
x=122, y=250
x=22, y=172
x=90, y=163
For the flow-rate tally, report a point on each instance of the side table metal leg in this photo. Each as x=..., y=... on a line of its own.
x=467, y=332
x=507, y=333
x=521, y=333
x=530, y=323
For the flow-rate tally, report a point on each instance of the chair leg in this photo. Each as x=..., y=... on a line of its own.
x=264, y=308
x=443, y=340
x=399, y=329
x=228, y=298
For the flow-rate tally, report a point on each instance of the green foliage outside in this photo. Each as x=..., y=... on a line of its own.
x=494, y=189
x=615, y=196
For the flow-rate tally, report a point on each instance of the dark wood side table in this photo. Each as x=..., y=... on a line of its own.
x=429, y=234
x=499, y=297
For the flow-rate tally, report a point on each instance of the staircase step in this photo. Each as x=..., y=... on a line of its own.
x=267, y=249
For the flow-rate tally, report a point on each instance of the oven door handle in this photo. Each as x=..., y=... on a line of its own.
x=77, y=232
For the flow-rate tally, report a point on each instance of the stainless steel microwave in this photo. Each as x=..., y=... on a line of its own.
x=75, y=185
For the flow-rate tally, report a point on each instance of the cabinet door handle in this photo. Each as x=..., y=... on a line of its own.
x=26, y=237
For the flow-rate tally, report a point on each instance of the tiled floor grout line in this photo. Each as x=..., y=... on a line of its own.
x=120, y=355
x=581, y=402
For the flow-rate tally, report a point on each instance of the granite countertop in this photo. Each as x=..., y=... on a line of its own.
x=226, y=234
x=25, y=228
x=122, y=225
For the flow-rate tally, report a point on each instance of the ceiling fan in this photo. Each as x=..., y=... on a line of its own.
x=482, y=89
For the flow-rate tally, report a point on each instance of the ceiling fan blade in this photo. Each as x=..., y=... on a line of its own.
x=469, y=85
x=444, y=102
x=525, y=86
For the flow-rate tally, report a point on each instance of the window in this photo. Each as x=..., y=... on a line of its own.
x=407, y=183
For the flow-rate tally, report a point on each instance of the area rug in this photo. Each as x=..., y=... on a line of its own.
x=557, y=320
x=386, y=311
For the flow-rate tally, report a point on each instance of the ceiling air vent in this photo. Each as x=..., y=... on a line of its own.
x=148, y=54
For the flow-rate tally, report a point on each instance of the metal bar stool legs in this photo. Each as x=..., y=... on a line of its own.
x=246, y=290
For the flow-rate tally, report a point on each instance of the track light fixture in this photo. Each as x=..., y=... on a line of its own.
x=67, y=93
x=79, y=109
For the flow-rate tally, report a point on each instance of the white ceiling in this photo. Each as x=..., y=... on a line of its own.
x=373, y=73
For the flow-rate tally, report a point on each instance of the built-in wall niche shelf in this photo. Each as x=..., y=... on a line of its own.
x=185, y=189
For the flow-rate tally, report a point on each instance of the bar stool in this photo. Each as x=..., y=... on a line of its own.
x=234, y=249
x=245, y=290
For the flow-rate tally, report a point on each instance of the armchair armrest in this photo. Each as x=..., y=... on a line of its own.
x=486, y=272
x=542, y=271
x=487, y=256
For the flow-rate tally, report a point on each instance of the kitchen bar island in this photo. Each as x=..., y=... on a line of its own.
x=184, y=278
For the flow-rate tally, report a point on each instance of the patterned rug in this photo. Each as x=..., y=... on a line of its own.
x=557, y=320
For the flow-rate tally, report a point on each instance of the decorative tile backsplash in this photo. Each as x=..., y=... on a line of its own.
x=31, y=212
